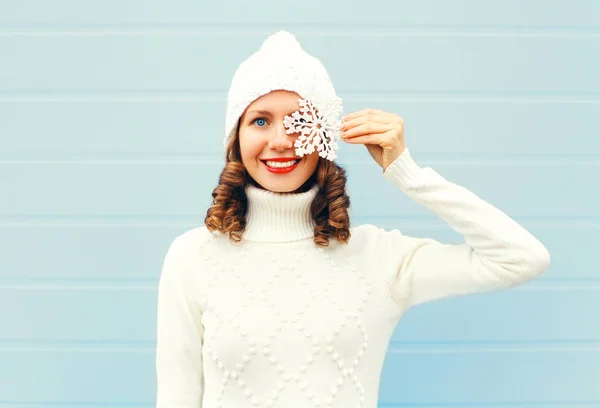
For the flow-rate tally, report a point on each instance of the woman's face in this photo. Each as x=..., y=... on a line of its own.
x=268, y=153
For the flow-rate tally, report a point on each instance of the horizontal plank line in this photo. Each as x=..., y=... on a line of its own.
x=93, y=343
x=393, y=349
x=483, y=404
x=78, y=283
x=75, y=404
x=150, y=347
x=91, y=285
x=496, y=343
x=420, y=345
x=62, y=282
x=194, y=156
x=215, y=95
x=268, y=26
x=584, y=221
x=137, y=350
x=217, y=158
x=128, y=220
x=506, y=404
x=305, y=30
x=561, y=284
x=142, y=284
x=68, y=344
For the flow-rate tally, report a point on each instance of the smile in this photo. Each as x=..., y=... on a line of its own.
x=281, y=166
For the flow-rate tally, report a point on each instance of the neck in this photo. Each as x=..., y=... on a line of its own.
x=279, y=217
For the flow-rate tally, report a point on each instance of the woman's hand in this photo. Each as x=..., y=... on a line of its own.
x=381, y=132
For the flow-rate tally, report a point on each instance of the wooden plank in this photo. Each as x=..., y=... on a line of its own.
x=76, y=249
x=445, y=378
x=446, y=127
x=186, y=62
x=400, y=13
x=171, y=187
x=76, y=313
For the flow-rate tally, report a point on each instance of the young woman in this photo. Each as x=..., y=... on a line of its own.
x=277, y=301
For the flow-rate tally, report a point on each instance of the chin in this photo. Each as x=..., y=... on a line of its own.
x=280, y=186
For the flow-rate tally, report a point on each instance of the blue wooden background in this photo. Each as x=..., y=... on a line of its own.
x=111, y=118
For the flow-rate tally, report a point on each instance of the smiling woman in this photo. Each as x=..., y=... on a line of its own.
x=261, y=160
x=276, y=301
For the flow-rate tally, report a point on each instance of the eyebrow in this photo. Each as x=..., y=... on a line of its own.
x=266, y=112
x=259, y=111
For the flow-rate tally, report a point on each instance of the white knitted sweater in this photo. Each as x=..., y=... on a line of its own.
x=278, y=322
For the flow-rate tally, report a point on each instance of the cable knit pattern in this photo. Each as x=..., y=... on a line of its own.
x=276, y=321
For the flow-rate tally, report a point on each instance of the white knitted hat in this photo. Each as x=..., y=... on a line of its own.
x=282, y=64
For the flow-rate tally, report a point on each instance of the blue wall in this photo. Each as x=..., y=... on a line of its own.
x=111, y=118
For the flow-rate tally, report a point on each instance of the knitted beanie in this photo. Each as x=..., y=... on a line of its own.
x=282, y=64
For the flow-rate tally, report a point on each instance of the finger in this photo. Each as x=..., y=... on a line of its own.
x=372, y=139
x=384, y=117
x=361, y=112
x=366, y=129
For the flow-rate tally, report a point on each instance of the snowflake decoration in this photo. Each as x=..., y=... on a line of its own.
x=317, y=131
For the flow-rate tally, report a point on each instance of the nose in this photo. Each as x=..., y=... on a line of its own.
x=280, y=140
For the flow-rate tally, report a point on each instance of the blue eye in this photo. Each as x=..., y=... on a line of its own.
x=260, y=121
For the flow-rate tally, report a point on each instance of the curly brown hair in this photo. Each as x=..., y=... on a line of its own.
x=227, y=213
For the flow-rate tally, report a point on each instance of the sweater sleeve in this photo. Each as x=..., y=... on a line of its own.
x=179, y=336
x=497, y=253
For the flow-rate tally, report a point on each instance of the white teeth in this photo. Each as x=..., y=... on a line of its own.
x=281, y=165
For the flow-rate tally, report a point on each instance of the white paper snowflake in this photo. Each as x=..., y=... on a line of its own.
x=319, y=130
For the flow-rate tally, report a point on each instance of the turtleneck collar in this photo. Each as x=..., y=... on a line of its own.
x=279, y=217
